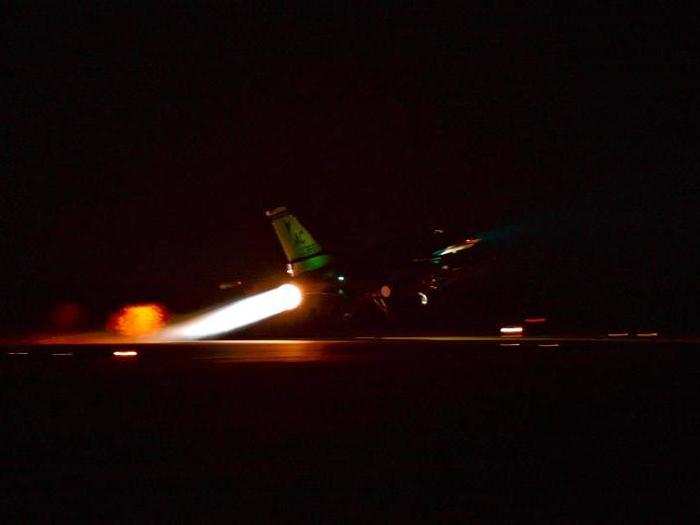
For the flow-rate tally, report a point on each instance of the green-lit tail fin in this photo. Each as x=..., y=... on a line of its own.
x=303, y=253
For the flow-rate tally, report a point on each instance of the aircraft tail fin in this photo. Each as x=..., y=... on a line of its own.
x=303, y=252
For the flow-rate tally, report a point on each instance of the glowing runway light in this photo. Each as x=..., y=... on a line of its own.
x=238, y=314
x=512, y=330
x=536, y=320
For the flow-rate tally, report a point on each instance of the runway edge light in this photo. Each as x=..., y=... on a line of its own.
x=512, y=330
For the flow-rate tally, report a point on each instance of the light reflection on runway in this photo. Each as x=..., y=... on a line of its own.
x=289, y=352
x=340, y=350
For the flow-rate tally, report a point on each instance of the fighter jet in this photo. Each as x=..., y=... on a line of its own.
x=438, y=277
x=539, y=274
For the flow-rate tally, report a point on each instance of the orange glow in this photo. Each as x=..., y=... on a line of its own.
x=67, y=315
x=137, y=319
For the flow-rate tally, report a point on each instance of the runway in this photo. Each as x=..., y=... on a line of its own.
x=447, y=428
x=289, y=350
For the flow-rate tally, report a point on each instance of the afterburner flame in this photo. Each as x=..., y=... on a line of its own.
x=237, y=314
x=137, y=319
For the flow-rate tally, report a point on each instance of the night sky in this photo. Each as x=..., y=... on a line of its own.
x=144, y=145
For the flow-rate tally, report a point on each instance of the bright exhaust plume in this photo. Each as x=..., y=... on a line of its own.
x=238, y=314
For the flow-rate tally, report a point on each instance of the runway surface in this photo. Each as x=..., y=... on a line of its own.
x=567, y=429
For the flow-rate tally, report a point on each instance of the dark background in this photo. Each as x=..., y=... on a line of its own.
x=144, y=145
